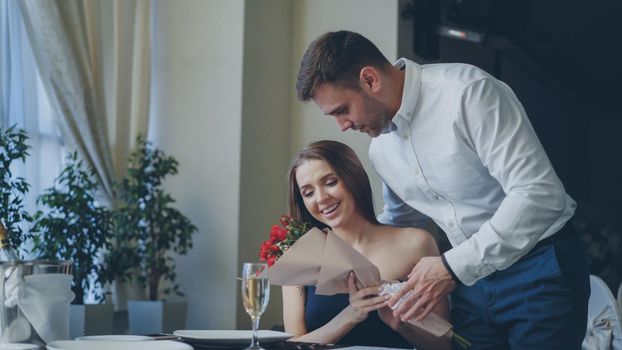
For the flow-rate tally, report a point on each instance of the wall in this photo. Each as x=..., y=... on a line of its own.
x=197, y=117
x=378, y=21
x=265, y=135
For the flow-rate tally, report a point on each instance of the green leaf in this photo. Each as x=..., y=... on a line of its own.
x=73, y=226
x=146, y=226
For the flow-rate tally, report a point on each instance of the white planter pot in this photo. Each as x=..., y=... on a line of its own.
x=90, y=319
x=150, y=317
x=124, y=291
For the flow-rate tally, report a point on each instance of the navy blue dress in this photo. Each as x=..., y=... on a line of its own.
x=320, y=309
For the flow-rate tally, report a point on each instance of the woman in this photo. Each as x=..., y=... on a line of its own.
x=329, y=188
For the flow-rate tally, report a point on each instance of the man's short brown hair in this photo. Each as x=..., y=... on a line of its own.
x=336, y=58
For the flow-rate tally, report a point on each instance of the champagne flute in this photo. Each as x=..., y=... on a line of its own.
x=255, y=294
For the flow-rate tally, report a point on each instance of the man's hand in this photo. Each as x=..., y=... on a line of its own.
x=430, y=282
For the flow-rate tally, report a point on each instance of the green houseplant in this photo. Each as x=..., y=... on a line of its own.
x=13, y=147
x=146, y=221
x=147, y=229
x=73, y=226
x=121, y=262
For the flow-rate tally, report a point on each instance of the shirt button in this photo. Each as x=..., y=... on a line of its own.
x=476, y=276
x=450, y=224
x=404, y=137
x=417, y=172
x=436, y=198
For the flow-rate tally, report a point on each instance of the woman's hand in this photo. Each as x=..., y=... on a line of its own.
x=363, y=301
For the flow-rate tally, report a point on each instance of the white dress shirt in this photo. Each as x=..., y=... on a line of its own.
x=461, y=151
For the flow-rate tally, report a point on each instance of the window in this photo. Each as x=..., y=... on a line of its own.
x=23, y=101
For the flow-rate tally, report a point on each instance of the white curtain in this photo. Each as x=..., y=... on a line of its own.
x=23, y=103
x=94, y=58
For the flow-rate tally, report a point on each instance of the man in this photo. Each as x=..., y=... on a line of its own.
x=452, y=143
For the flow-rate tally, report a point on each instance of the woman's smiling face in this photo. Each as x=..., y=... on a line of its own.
x=325, y=196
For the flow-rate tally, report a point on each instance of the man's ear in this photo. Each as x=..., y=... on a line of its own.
x=370, y=78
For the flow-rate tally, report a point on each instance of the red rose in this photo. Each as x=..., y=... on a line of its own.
x=282, y=234
x=274, y=233
x=285, y=220
x=289, y=232
x=265, y=250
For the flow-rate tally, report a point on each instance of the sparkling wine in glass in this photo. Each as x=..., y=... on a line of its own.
x=255, y=294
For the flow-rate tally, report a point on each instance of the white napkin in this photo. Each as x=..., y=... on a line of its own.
x=11, y=286
x=17, y=331
x=599, y=335
x=432, y=323
x=44, y=299
x=19, y=328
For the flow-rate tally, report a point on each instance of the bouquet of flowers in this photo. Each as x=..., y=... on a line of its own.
x=301, y=256
x=281, y=238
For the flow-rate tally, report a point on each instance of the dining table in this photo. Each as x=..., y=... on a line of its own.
x=171, y=342
x=285, y=345
x=289, y=345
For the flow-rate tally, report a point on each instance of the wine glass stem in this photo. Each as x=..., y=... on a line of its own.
x=255, y=342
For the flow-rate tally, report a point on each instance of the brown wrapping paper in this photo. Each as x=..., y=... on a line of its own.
x=338, y=260
x=300, y=264
x=324, y=260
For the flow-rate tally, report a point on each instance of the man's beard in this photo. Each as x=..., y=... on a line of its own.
x=378, y=115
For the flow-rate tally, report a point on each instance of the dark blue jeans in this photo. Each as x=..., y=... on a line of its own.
x=540, y=302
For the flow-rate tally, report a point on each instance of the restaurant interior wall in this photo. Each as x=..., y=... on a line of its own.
x=378, y=21
x=197, y=116
x=265, y=136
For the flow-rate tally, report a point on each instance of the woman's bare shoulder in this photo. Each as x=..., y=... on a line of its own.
x=415, y=240
x=401, y=249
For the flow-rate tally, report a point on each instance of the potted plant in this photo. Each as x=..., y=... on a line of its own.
x=147, y=222
x=74, y=226
x=13, y=147
x=121, y=262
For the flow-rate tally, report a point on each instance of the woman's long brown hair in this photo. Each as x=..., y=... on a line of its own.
x=348, y=168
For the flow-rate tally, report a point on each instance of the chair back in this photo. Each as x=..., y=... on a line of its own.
x=604, y=329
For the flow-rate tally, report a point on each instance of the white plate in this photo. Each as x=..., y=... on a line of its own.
x=230, y=337
x=115, y=337
x=19, y=346
x=117, y=345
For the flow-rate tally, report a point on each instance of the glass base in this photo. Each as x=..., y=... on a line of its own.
x=255, y=347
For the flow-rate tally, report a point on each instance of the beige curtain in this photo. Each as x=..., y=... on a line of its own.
x=94, y=57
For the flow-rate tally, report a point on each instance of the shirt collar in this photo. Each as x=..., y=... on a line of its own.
x=410, y=92
x=390, y=127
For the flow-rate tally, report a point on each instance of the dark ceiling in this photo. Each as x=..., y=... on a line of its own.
x=578, y=42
